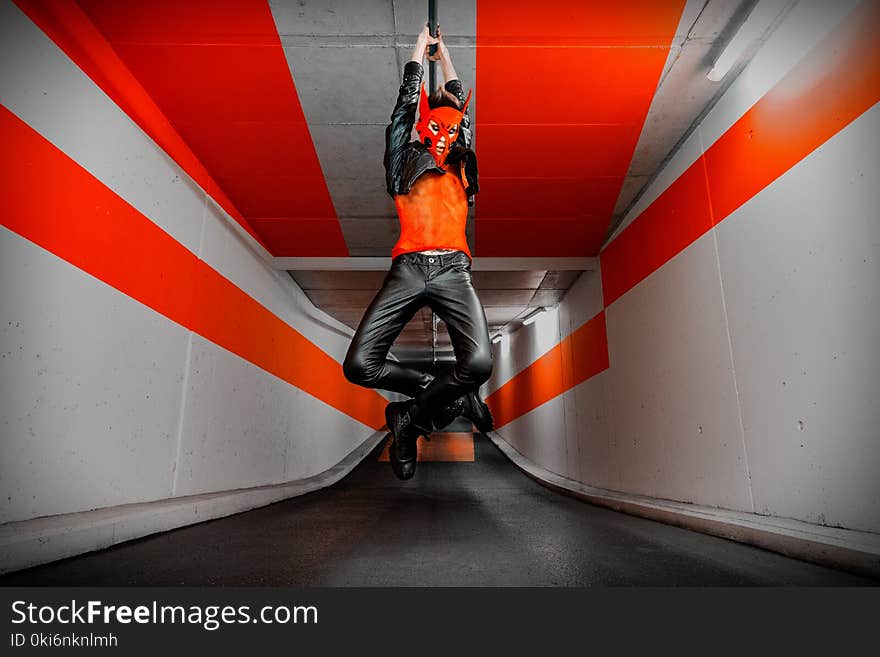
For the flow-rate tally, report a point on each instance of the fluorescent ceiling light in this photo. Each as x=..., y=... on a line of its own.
x=532, y=316
x=496, y=338
x=760, y=18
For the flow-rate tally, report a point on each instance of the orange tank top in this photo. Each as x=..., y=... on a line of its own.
x=434, y=214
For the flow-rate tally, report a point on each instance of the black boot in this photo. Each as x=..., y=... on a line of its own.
x=476, y=411
x=469, y=406
x=448, y=413
x=405, y=429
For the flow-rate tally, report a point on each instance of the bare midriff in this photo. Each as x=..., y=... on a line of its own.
x=433, y=215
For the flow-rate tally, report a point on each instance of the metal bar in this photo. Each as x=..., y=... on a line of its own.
x=432, y=27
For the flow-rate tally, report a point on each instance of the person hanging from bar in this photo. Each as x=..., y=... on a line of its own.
x=433, y=182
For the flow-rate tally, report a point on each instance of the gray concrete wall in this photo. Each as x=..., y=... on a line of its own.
x=105, y=401
x=743, y=372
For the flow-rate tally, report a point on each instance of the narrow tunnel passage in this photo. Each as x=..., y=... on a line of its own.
x=672, y=261
x=480, y=523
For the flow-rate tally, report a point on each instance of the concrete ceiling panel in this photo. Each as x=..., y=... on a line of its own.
x=684, y=92
x=341, y=298
x=547, y=298
x=349, y=151
x=411, y=344
x=363, y=252
x=501, y=315
x=332, y=17
x=559, y=280
x=355, y=84
x=632, y=185
x=377, y=235
x=363, y=196
x=339, y=280
x=690, y=13
x=680, y=98
x=717, y=18
x=414, y=330
x=456, y=17
x=505, y=298
x=351, y=318
x=507, y=280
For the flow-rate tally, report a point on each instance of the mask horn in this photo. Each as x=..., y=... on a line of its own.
x=467, y=101
x=424, y=108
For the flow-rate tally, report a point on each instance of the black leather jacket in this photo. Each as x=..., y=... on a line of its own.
x=406, y=160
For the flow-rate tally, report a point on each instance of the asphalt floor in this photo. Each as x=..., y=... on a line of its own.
x=479, y=523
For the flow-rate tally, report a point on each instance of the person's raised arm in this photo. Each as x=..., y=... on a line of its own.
x=442, y=55
x=453, y=86
x=403, y=117
x=422, y=42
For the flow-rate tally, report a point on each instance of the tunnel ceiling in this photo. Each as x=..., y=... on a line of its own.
x=576, y=106
x=506, y=296
x=285, y=104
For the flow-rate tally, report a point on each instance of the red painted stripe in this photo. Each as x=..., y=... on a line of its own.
x=836, y=82
x=559, y=237
x=678, y=217
x=233, y=100
x=832, y=86
x=563, y=90
x=64, y=22
x=575, y=359
x=55, y=203
x=217, y=71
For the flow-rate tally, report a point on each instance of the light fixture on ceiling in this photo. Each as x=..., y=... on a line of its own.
x=497, y=338
x=532, y=316
x=763, y=14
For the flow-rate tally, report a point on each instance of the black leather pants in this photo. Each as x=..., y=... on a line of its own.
x=442, y=282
